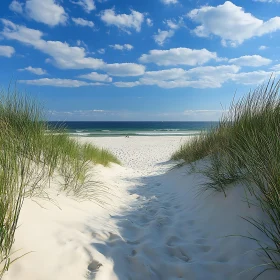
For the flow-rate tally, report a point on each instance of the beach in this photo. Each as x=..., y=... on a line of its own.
x=149, y=221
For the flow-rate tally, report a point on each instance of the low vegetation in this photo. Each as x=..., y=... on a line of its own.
x=31, y=153
x=245, y=147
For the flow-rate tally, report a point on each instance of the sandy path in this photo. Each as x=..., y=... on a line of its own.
x=152, y=225
x=169, y=232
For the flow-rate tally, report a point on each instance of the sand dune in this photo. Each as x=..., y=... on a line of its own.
x=152, y=224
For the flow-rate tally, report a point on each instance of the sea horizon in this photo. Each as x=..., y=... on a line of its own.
x=133, y=128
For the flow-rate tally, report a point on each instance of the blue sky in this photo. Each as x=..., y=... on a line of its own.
x=138, y=60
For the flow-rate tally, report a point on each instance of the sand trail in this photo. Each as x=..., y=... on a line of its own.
x=154, y=225
x=169, y=232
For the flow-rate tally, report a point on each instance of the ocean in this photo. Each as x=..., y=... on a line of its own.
x=131, y=128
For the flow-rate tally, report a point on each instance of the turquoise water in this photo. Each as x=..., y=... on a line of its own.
x=99, y=129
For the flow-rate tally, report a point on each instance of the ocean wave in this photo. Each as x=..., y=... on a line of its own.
x=168, y=129
x=167, y=133
x=81, y=133
x=106, y=133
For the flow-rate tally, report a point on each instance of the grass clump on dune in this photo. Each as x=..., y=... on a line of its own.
x=245, y=146
x=31, y=153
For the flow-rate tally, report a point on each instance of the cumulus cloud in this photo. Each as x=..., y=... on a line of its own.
x=198, y=77
x=126, y=84
x=231, y=23
x=37, y=71
x=149, y=22
x=174, y=24
x=168, y=2
x=16, y=7
x=6, y=51
x=275, y=67
x=47, y=12
x=124, y=69
x=178, y=56
x=101, y=51
x=58, y=83
x=250, y=60
x=62, y=55
x=125, y=22
x=251, y=78
x=165, y=75
x=262, y=48
x=127, y=47
x=87, y=5
x=94, y=76
x=83, y=22
x=162, y=36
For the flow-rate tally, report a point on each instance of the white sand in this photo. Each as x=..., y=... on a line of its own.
x=152, y=225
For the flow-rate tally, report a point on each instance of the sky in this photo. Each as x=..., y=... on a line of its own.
x=148, y=60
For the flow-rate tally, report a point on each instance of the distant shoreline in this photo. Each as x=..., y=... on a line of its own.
x=122, y=129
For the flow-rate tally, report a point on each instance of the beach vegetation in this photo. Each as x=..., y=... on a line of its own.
x=31, y=154
x=245, y=147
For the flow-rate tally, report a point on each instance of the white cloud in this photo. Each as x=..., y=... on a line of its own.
x=94, y=76
x=165, y=75
x=262, y=48
x=180, y=84
x=59, y=83
x=251, y=78
x=173, y=24
x=162, y=36
x=167, y=2
x=149, y=22
x=87, y=5
x=62, y=55
x=178, y=56
x=82, y=43
x=275, y=67
x=231, y=23
x=124, y=69
x=83, y=22
x=250, y=60
x=16, y=7
x=122, y=47
x=47, y=12
x=37, y=71
x=101, y=51
x=199, y=77
x=123, y=21
x=126, y=84
x=6, y=51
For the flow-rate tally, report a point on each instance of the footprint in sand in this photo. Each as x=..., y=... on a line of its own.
x=94, y=266
x=172, y=240
x=179, y=253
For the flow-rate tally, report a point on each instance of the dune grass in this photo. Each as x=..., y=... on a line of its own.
x=245, y=147
x=31, y=153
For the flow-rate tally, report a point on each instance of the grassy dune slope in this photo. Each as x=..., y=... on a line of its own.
x=245, y=147
x=29, y=157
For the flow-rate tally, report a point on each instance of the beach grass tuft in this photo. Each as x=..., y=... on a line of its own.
x=31, y=153
x=245, y=147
